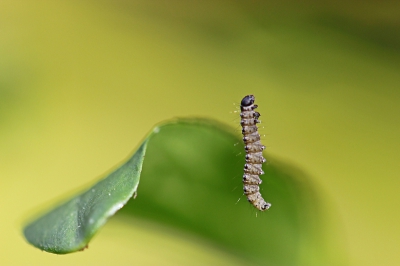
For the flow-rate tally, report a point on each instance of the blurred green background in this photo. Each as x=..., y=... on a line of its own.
x=82, y=82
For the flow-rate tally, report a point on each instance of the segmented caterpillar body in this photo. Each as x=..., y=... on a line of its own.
x=254, y=157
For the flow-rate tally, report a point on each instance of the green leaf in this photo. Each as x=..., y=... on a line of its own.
x=192, y=181
x=70, y=226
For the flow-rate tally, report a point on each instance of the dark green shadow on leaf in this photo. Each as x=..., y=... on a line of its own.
x=191, y=180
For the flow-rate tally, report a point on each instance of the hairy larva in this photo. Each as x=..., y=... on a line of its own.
x=254, y=157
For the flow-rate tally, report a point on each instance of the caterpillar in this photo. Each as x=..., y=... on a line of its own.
x=254, y=157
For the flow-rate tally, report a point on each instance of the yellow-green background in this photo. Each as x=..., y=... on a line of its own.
x=82, y=82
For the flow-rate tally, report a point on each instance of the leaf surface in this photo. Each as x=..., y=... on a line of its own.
x=192, y=180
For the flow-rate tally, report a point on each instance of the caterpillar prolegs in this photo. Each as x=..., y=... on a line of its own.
x=254, y=157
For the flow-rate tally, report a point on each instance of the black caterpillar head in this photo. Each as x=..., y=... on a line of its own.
x=247, y=100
